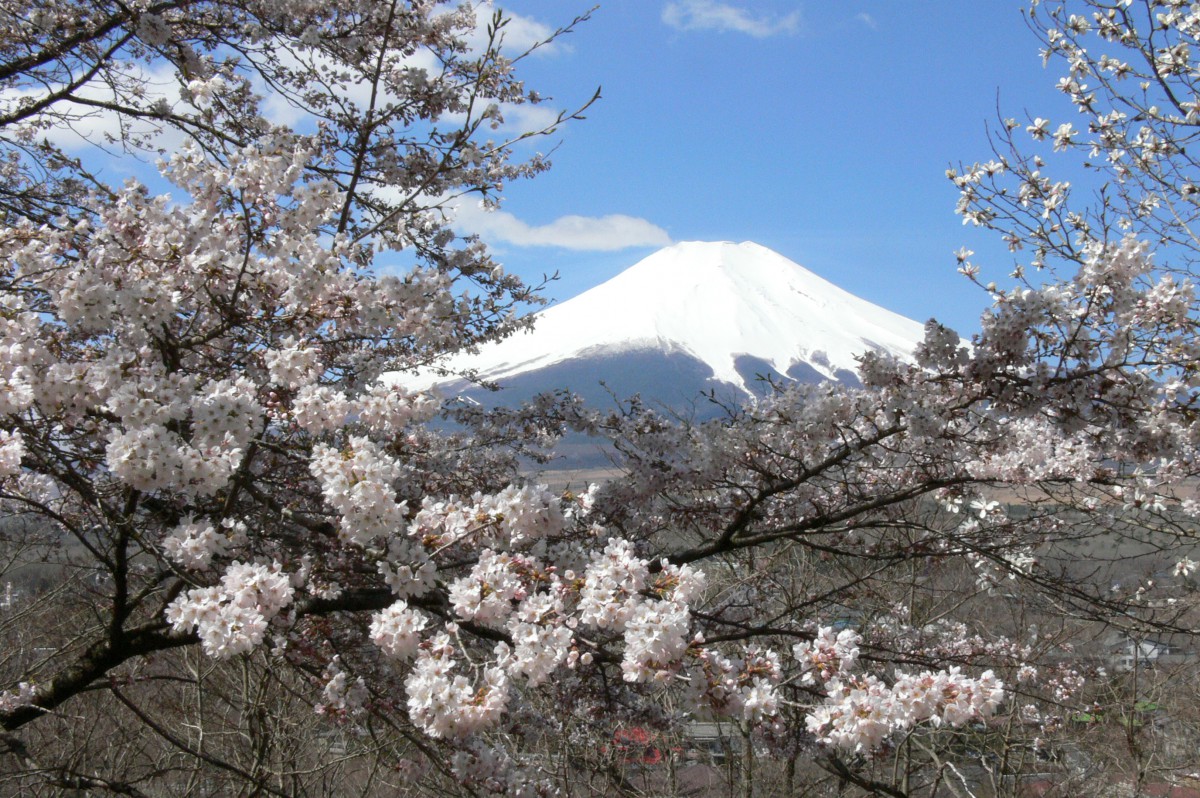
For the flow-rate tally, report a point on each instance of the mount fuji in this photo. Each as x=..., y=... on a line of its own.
x=694, y=318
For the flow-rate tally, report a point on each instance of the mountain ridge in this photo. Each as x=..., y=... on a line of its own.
x=733, y=311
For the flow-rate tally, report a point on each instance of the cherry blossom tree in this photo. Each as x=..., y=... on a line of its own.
x=196, y=427
x=207, y=445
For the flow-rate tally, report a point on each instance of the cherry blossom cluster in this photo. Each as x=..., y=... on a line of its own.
x=232, y=616
x=194, y=543
x=397, y=630
x=385, y=408
x=443, y=701
x=516, y=516
x=492, y=771
x=12, y=448
x=830, y=654
x=22, y=696
x=543, y=614
x=343, y=695
x=861, y=711
x=744, y=686
x=358, y=483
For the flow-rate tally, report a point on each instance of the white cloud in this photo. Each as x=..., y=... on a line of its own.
x=867, y=20
x=527, y=118
x=713, y=15
x=520, y=33
x=87, y=127
x=592, y=233
x=516, y=120
x=91, y=127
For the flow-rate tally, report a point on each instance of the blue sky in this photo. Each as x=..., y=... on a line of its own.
x=820, y=129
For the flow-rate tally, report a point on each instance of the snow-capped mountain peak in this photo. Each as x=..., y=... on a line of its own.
x=715, y=303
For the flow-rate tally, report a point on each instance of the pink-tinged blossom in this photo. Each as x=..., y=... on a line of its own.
x=23, y=696
x=656, y=636
x=343, y=694
x=358, y=482
x=856, y=715
x=445, y=703
x=745, y=686
x=760, y=702
x=16, y=394
x=538, y=649
x=21, y=355
x=514, y=518
x=225, y=413
x=387, y=409
x=193, y=544
x=407, y=569
x=148, y=454
x=231, y=618
x=225, y=628
x=525, y=514
x=320, y=408
x=861, y=711
x=397, y=630
x=714, y=683
x=147, y=458
x=580, y=505
x=682, y=584
x=12, y=449
x=611, y=583
x=491, y=591
x=293, y=365
x=829, y=655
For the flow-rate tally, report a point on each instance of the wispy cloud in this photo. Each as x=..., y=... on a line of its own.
x=867, y=20
x=89, y=127
x=591, y=233
x=717, y=16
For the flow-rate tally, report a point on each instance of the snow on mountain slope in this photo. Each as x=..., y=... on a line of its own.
x=716, y=303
